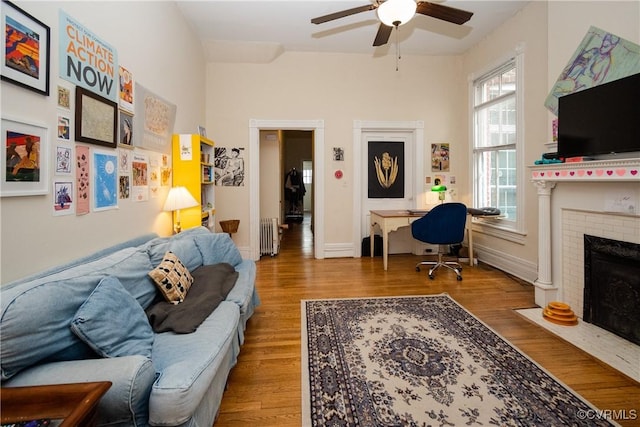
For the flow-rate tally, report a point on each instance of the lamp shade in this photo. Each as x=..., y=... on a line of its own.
x=179, y=198
x=439, y=188
x=396, y=12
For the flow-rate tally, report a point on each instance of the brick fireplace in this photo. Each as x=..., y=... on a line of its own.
x=599, y=198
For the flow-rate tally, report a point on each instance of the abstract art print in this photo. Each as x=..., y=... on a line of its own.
x=601, y=57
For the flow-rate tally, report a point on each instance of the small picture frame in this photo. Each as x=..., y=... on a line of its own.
x=23, y=33
x=202, y=131
x=96, y=119
x=125, y=126
x=24, y=169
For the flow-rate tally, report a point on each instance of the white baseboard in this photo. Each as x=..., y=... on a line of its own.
x=339, y=250
x=523, y=269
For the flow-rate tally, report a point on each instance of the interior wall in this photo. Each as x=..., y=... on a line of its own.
x=143, y=33
x=338, y=89
x=525, y=31
x=270, y=179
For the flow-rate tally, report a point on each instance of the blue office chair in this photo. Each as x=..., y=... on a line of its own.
x=444, y=225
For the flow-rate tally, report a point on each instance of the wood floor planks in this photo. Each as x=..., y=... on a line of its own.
x=264, y=388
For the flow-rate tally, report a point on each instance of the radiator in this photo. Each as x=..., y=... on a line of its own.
x=269, y=236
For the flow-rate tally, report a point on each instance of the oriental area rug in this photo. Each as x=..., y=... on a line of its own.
x=422, y=361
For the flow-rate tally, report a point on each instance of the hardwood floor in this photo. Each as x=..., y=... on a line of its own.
x=264, y=388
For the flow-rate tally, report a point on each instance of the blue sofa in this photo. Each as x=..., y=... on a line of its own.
x=160, y=379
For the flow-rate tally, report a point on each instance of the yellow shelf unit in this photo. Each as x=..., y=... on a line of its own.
x=192, y=159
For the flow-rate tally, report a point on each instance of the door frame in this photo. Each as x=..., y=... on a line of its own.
x=255, y=126
x=416, y=128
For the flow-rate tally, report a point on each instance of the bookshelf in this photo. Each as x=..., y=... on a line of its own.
x=192, y=158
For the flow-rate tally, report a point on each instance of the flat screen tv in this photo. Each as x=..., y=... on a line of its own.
x=602, y=120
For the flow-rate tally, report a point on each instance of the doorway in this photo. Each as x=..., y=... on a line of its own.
x=317, y=129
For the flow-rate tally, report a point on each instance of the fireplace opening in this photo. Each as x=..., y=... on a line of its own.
x=612, y=286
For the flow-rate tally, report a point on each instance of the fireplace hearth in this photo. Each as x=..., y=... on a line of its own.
x=612, y=286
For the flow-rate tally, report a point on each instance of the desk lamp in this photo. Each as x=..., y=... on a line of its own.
x=441, y=189
x=179, y=198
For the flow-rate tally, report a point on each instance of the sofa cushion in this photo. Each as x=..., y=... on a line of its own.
x=32, y=333
x=125, y=404
x=218, y=247
x=186, y=376
x=172, y=278
x=181, y=244
x=211, y=285
x=112, y=322
x=133, y=275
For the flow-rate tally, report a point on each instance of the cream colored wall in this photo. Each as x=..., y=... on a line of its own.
x=163, y=54
x=551, y=32
x=528, y=30
x=270, y=192
x=336, y=88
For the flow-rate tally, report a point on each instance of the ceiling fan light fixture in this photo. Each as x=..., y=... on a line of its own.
x=394, y=13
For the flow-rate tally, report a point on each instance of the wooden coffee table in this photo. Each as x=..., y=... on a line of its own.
x=72, y=404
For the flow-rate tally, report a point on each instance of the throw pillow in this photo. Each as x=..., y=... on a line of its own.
x=112, y=322
x=172, y=277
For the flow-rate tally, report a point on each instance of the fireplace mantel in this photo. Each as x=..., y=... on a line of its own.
x=545, y=177
x=597, y=170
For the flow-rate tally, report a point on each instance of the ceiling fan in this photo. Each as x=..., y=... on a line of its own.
x=393, y=13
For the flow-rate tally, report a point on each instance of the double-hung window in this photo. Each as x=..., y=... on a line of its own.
x=496, y=157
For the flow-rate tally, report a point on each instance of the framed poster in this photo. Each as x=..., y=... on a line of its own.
x=25, y=165
x=385, y=170
x=96, y=119
x=26, y=45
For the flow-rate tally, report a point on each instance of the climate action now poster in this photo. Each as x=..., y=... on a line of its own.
x=86, y=60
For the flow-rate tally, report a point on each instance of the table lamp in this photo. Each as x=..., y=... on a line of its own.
x=441, y=189
x=179, y=198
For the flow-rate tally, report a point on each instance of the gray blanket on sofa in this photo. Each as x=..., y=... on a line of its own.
x=211, y=285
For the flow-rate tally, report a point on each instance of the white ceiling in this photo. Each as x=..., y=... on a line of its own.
x=260, y=30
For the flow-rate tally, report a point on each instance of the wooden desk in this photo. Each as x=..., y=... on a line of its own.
x=74, y=404
x=390, y=220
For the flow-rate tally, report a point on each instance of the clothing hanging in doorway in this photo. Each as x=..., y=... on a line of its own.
x=294, y=192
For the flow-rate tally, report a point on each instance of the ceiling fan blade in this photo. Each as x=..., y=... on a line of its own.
x=342, y=14
x=382, y=37
x=446, y=13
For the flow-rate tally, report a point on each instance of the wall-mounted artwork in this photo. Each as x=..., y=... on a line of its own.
x=64, y=97
x=105, y=180
x=25, y=165
x=83, y=183
x=229, y=167
x=64, y=127
x=96, y=119
x=86, y=60
x=64, y=159
x=440, y=157
x=155, y=117
x=386, y=170
x=140, y=177
x=126, y=89
x=25, y=45
x=63, y=198
x=601, y=57
x=125, y=134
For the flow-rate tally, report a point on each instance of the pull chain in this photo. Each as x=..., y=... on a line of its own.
x=398, y=57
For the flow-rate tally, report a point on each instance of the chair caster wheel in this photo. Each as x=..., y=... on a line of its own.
x=418, y=269
x=431, y=276
x=459, y=278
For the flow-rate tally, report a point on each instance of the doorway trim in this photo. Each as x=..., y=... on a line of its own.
x=317, y=126
x=416, y=128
